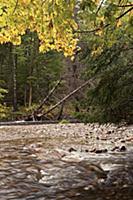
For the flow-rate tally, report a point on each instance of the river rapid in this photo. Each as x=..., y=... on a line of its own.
x=52, y=168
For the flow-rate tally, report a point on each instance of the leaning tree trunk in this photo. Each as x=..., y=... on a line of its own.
x=39, y=108
x=89, y=82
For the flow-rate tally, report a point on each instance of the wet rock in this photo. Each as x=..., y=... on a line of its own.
x=119, y=149
x=93, y=168
x=120, y=177
x=109, y=132
x=103, y=138
x=101, y=151
x=90, y=187
x=123, y=141
x=123, y=148
x=129, y=139
x=71, y=149
x=86, y=150
x=115, y=148
x=92, y=150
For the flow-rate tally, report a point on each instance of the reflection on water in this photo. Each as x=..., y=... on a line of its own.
x=34, y=170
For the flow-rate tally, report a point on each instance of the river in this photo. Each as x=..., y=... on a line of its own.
x=36, y=168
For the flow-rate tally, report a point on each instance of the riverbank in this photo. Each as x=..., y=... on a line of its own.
x=91, y=137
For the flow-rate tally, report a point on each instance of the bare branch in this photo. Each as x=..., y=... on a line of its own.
x=15, y=7
x=99, y=7
x=125, y=6
x=127, y=11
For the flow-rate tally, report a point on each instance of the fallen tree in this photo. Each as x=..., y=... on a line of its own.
x=38, y=114
x=39, y=108
x=69, y=95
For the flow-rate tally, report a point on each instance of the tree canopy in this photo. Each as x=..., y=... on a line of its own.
x=54, y=20
x=105, y=22
x=51, y=19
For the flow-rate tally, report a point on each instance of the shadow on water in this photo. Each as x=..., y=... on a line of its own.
x=33, y=169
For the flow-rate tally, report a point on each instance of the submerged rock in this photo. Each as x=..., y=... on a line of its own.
x=122, y=176
x=93, y=168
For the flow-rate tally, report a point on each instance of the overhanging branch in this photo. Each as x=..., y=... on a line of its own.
x=106, y=25
x=15, y=6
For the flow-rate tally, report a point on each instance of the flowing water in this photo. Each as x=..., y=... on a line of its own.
x=35, y=169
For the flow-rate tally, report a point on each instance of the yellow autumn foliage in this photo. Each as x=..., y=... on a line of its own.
x=51, y=19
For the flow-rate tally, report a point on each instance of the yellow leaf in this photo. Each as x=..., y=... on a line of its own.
x=24, y=2
x=100, y=32
x=72, y=58
x=118, y=23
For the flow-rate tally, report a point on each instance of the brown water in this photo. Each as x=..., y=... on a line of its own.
x=34, y=169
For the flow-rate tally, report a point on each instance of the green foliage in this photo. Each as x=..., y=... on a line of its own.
x=64, y=121
x=105, y=36
x=34, y=69
x=94, y=114
x=4, y=112
x=111, y=99
x=3, y=109
x=2, y=93
x=102, y=22
x=106, y=28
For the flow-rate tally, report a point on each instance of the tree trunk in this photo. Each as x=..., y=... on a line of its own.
x=30, y=94
x=14, y=70
x=61, y=111
x=25, y=96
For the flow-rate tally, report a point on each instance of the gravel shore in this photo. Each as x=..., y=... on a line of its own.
x=107, y=136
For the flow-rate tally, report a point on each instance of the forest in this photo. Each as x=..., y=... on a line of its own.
x=66, y=60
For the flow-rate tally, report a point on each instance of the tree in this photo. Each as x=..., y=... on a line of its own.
x=54, y=21
x=104, y=21
x=106, y=42
x=111, y=98
x=35, y=73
